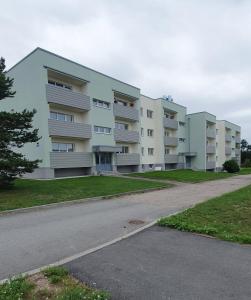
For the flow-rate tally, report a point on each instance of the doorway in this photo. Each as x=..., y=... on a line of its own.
x=103, y=161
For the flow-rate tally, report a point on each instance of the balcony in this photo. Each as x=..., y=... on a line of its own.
x=211, y=165
x=68, y=129
x=127, y=136
x=170, y=141
x=228, y=138
x=127, y=159
x=170, y=123
x=237, y=152
x=211, y=149
x=211, y=133
x=238, y=139
x=171, y=158
x=68, y=98
x=125, y=112
x=228, y=151
x=70, y=159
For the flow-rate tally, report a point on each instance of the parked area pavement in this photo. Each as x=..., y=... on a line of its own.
x=163, y=264
x=36, y=238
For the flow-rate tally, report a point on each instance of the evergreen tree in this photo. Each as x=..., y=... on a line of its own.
x=15, y=131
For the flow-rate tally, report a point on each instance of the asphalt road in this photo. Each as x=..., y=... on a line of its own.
x=36, y=238
x=165, y=264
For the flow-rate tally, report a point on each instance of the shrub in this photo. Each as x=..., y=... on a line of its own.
x=231, y=166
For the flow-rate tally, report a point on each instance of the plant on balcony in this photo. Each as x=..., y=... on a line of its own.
x=231, y=166
x=16, y=130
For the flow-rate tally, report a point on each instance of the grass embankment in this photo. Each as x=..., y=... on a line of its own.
x=51, y=284
x=227, y=217
x=28, y=193
x=184, y=175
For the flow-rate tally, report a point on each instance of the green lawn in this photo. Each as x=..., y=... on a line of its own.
x=27, y=193
x=245, y=171
x=227, y=217
x=183, y=175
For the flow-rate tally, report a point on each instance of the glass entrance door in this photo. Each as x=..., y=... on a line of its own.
x=103, y=161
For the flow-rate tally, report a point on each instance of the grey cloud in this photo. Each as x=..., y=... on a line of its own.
x=198, y=51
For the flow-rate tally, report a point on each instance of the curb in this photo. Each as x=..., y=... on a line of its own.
x=77, y=201
x=86, y=252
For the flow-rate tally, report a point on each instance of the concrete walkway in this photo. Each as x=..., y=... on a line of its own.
x=162, y=264
x=36, y=238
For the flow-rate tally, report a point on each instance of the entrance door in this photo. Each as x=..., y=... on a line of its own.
x=188, y=162
x=103, y=161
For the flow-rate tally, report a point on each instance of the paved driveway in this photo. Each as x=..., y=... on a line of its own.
x=36, y=238
x=161, y=264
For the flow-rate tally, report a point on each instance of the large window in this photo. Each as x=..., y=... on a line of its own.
x=60, y=84
x=61, y=117
x=101, y=103
x=149, y=114
x=121, y=126
x=101, y=129
x=62, y=147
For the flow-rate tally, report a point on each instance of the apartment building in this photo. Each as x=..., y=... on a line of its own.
x=90, y=122
x=228, y=139
x=162, y=134
x=201, y=135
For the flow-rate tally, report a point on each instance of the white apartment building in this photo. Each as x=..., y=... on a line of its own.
x=91, y=123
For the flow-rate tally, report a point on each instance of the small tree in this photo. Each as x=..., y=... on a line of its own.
x=16, y=130
x=231, y=166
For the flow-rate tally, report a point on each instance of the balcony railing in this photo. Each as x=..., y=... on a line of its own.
x=127, y=136
x=228, y=138
x=70, y=159
x=61, y=96
x=127, y=159
x=171, y=158
x=126, y=112
x=211, y=165
x=228, y=151
x=170, y=123
x=211, y=133
x=170, y=141
x=237, y=152
x=211, y=149
x=238, y=139
x=68, y=129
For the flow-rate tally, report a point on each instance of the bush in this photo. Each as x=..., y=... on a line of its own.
x=247, y=163
x=15, y=289
x=55, y=274
x=231, y=166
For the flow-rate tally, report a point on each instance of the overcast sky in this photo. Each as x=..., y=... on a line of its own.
x=198, y=51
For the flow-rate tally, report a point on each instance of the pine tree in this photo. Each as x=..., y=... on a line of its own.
x=15, y=131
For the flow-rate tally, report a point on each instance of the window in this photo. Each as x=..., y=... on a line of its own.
x=142, y=131
x=168, y=115
x=150, y=132
x=62, y=147
x=141, y=111
x=117, y=101
x=167, y=150
x=149, y=114
x=100, y=103
x=167, y=133
x=121, y=126
x=181, y=124
x=142, y=151
x=59, y=84
x=124, y=149
x=182, y=140
x=217, y=131
x=104, y=130
x=150, y=151
x=61, y=117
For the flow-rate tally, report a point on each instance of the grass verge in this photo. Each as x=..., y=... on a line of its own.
x=28, y=193
x=41, y=287
x=183, y=175
x=226, y=217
